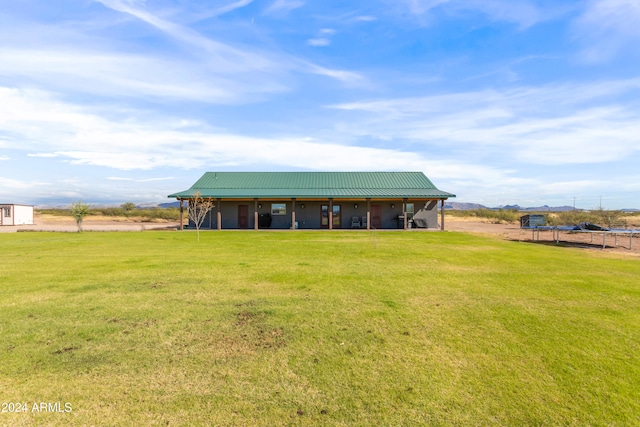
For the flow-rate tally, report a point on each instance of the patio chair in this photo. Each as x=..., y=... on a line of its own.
x=355, y=222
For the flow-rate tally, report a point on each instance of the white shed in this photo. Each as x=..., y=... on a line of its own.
x=16, y=214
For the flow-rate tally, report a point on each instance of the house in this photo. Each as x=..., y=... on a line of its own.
x=317, y=200
x=16, y=214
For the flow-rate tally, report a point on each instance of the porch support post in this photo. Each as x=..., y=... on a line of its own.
x=404, y=213
x=181, y=215
x=330, y=214
x=219, y=217
x=210, y=215
x=293, y=214
x=255, y=213
x=442, y=214
x=368, y=214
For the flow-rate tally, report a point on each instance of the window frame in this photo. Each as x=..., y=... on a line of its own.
x=278, y=209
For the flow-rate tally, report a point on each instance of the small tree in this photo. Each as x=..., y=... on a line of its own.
x=78, y=211
x=611, y=218
x=129, y=206
x=198, y=209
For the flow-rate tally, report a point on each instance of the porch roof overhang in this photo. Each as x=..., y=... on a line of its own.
x=314, y=185
x=316, y=194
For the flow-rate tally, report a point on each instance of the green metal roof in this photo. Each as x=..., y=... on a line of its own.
x=314, y=185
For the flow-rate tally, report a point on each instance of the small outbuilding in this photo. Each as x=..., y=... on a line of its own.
x=11, y=214
x=319, y=200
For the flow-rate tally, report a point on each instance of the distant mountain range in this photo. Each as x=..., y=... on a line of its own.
x=468, y=206
x=447, y=205
x=459, y=207
x=471, y=206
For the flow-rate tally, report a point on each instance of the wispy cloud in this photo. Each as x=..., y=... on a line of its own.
x=322, y=38
x=608, y=27
x=283, y=6
x=525, y=13
x=319, y=41
x=532, y=125
x=225, y=56
x=42, y=155
x=119, y=178
x=83, y=138
x=546, y=125
x=69, y=59
x=123, y=94
x=222, y=57
x=230, y=7
x=9, y=185
x=127, y=75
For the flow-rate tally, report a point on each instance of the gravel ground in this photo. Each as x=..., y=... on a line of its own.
x=591, y=241
x=62, y=224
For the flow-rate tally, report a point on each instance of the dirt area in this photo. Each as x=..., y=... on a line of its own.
x=90, y=223
x=621, y=244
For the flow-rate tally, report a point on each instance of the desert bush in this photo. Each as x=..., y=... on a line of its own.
x=611, y=218
x=606, y=218
x=128, y=206
x=497, y=216
x=149, y=214
x=78, y=211
x=570, y=218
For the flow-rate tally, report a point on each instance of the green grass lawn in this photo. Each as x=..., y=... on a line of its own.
x=315, y=328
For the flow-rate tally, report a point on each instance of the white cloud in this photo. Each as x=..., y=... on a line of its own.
x=118, y=178
x=607, y=27
x=283, y=6
x=491, y=123
x=327, y=31
x=80, y=137
x=85, y=59
x=3, y=157
x=322, y=39
x=319, y=42
x=548, y=125
x=45, y=155
x=522, y=12
x=117, y=74
x=9, y=185
x=231, y=60
x=230, y=7
x=346, y=77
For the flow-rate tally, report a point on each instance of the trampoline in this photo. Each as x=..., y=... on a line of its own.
x=583, y=227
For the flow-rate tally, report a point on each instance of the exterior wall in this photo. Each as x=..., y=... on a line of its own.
x=426, y=210
x=309, y=217
x=6, y=214
x=16, y=215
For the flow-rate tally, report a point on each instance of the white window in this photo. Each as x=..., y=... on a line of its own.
x=7, y=212
x=278, y=209
x=410, y=211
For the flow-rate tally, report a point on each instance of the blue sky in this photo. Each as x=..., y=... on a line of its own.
x=498, y=101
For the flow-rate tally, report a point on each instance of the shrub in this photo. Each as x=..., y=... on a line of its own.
x=150, y=214
x=497, y=216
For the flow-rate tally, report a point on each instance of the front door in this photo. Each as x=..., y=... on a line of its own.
x=376, y=216
x=243, y=216
x=337, y=216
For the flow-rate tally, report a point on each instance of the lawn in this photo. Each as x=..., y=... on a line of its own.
x=315, y=328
